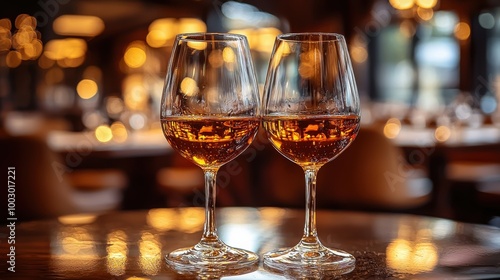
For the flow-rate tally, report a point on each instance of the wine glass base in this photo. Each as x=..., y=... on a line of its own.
x=318, y=258
x=210, y=256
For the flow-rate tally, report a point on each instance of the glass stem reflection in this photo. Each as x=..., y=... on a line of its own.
x=310, y=233
x=209, y=230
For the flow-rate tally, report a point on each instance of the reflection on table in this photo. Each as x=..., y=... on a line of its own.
x=132, y=245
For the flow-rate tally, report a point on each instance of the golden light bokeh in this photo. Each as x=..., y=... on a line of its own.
x=69, y=52
x=135, y=55
x=462, y=31
x=135, y=95
x=119, y=131
x=103, y=133
x=199, y=46
x=442, y=133
x=189, y=86
x=359, y=54
x=87, y=88
x=13, y=59
x=161, y=32
x=392, y=128
x=78, y=25
x=402, y=4
x=190, y=25
x=426, y=4
x=228, y=55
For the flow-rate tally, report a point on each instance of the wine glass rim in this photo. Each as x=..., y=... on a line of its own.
x=311, y=37
x=209, y=36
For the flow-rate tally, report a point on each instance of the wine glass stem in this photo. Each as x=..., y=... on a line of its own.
x=310, y=233
x=209, y=230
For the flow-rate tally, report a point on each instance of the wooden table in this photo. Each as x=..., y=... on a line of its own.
x=132, y=244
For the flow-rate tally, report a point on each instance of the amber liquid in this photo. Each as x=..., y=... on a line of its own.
x=311, y=140
x=210, y=142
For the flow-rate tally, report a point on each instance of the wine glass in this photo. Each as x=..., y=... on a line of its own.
x=210, y=114
x=311, y=114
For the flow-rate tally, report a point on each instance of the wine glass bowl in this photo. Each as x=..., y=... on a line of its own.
x=311, y=114
x=210, y=114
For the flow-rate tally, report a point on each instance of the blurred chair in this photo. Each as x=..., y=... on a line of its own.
x=371, y=174
x=46, y=188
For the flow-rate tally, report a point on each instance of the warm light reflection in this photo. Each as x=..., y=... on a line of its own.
x=462, y=31
x=87, y=88
x=117, y=251
x=78, y=25
x=411, y=257
x=309, y=63
x=199, y=46
x=74, y=250
x=281, y=51
x=77, y=219
x=135, y=55
x=392, y=128
x=162, y=219
x=442, y=133
x=103, y=133
x=229, y=58
x=192, y=219
x=215, y=58
x=228, y=55
x=150, y=258
x=189, y=86
x=188, y=220
x=412, y=252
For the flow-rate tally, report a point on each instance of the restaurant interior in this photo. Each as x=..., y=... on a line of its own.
x=81, y=84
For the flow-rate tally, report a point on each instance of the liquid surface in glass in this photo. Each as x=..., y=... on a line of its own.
x=210, y=141
x=311, y=140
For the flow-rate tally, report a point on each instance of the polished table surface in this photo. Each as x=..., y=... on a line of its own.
x=132, y=244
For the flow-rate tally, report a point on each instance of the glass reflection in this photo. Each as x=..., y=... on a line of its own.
x=410, y=252
x=150, y=259
x=74, y=250
x=116, y=259
x=188, y=220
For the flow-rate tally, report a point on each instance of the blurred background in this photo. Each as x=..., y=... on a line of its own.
x=81, y=81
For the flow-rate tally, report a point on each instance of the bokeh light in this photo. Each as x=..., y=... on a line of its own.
x=135, y=55
x=87, y=88
x=442, y=133
x=462, y=31
x=103, y=133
